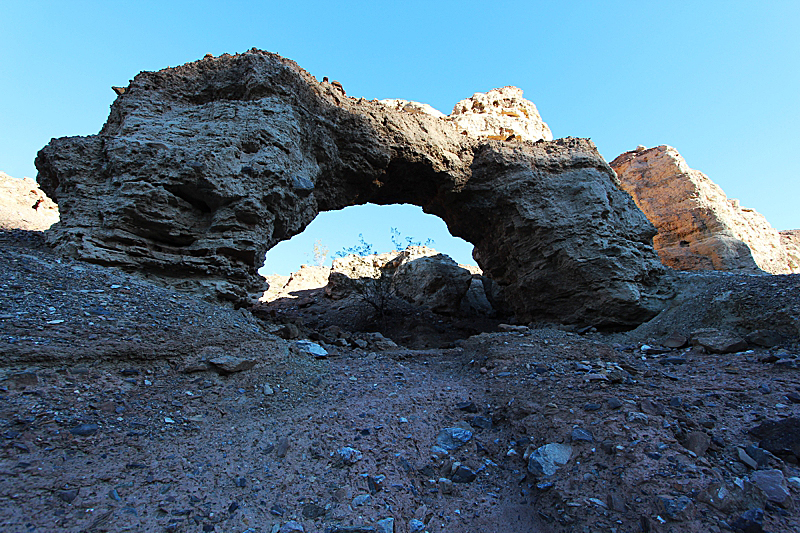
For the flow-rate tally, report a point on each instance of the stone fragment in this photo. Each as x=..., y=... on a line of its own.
x=745, y=458
x=68, y=495
x=312, y=511
x=84, y=430
x=385, y=525
x=292, y=526
x=453, y=438
x=361, y=499
x=463, y=475
x=580, y=434
x=779, y=437
x=468, y=407
x=751, y=521
x=772, y=484
x=547, y=459
x=697, y=442
x=347, y=456
x=614, y=403
x=675, y=341
x=230, y=364
x=203, y=224
x=676, y=509
x=764, y=337
x=311, y=348
x=282, y=448
x=699, y=228
x=416, y=526
x=717, y=341
x=728, y=497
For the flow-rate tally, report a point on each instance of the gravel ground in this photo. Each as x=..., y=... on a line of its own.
x=111, y=420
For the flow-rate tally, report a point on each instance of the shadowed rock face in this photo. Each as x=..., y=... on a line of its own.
x=202, y=168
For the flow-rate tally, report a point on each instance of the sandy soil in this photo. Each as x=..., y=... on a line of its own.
x=111, y=420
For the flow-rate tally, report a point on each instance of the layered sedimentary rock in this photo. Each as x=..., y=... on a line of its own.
x=699, y=228
x=202, y=168
x=24, y=206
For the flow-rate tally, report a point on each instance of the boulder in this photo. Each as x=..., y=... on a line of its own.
x=24, y=206
x=425, y=277
x=699, y=228
x=201, y=168
x=717, y=341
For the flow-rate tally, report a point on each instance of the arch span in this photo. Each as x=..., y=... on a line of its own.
x=202, y=168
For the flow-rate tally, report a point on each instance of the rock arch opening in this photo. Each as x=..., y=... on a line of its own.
x=336, y=231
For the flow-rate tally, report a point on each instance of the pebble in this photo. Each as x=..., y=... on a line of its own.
x=361, y=499
x=453, y=438
x=67, y=495
x=676, y=509
x=312, y=348
x=347, y=456
x=84, y=430
x=416, y=526
x=291, y=526
x=581, y=434
x=614, y=403
x=464, y=475
x=282, y=447
x=592, y=407
x=468, y=407
x=386, y=525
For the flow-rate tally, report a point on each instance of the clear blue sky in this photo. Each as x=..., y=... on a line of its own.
x=718, y=80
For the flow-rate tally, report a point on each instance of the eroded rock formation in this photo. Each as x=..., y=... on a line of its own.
x=791, y=243
x=699, y=228
x=24, y=206
x=202, y=168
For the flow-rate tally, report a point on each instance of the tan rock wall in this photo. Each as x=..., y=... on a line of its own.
x=699, y=227
x=24, y=206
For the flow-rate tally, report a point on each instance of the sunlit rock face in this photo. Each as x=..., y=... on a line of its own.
x=24, y=206
x=202, y=168
x=699, y=227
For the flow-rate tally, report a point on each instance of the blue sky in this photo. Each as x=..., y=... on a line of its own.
x=718, y=80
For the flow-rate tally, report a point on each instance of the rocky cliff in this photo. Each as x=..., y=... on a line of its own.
x=24, y=206
x=699, y=228
x=202, y=168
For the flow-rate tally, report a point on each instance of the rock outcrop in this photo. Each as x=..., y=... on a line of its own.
x=699, y=228
x=200, y=169
x=791, y=243
x=24, y=206
x=501, y=114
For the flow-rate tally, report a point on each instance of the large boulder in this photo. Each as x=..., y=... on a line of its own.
x=423, y=276
x=420, y=275
x=24, y=206
x=699, y=228
x=200, y=169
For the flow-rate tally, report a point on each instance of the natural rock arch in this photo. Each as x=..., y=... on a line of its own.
x=202, y=168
